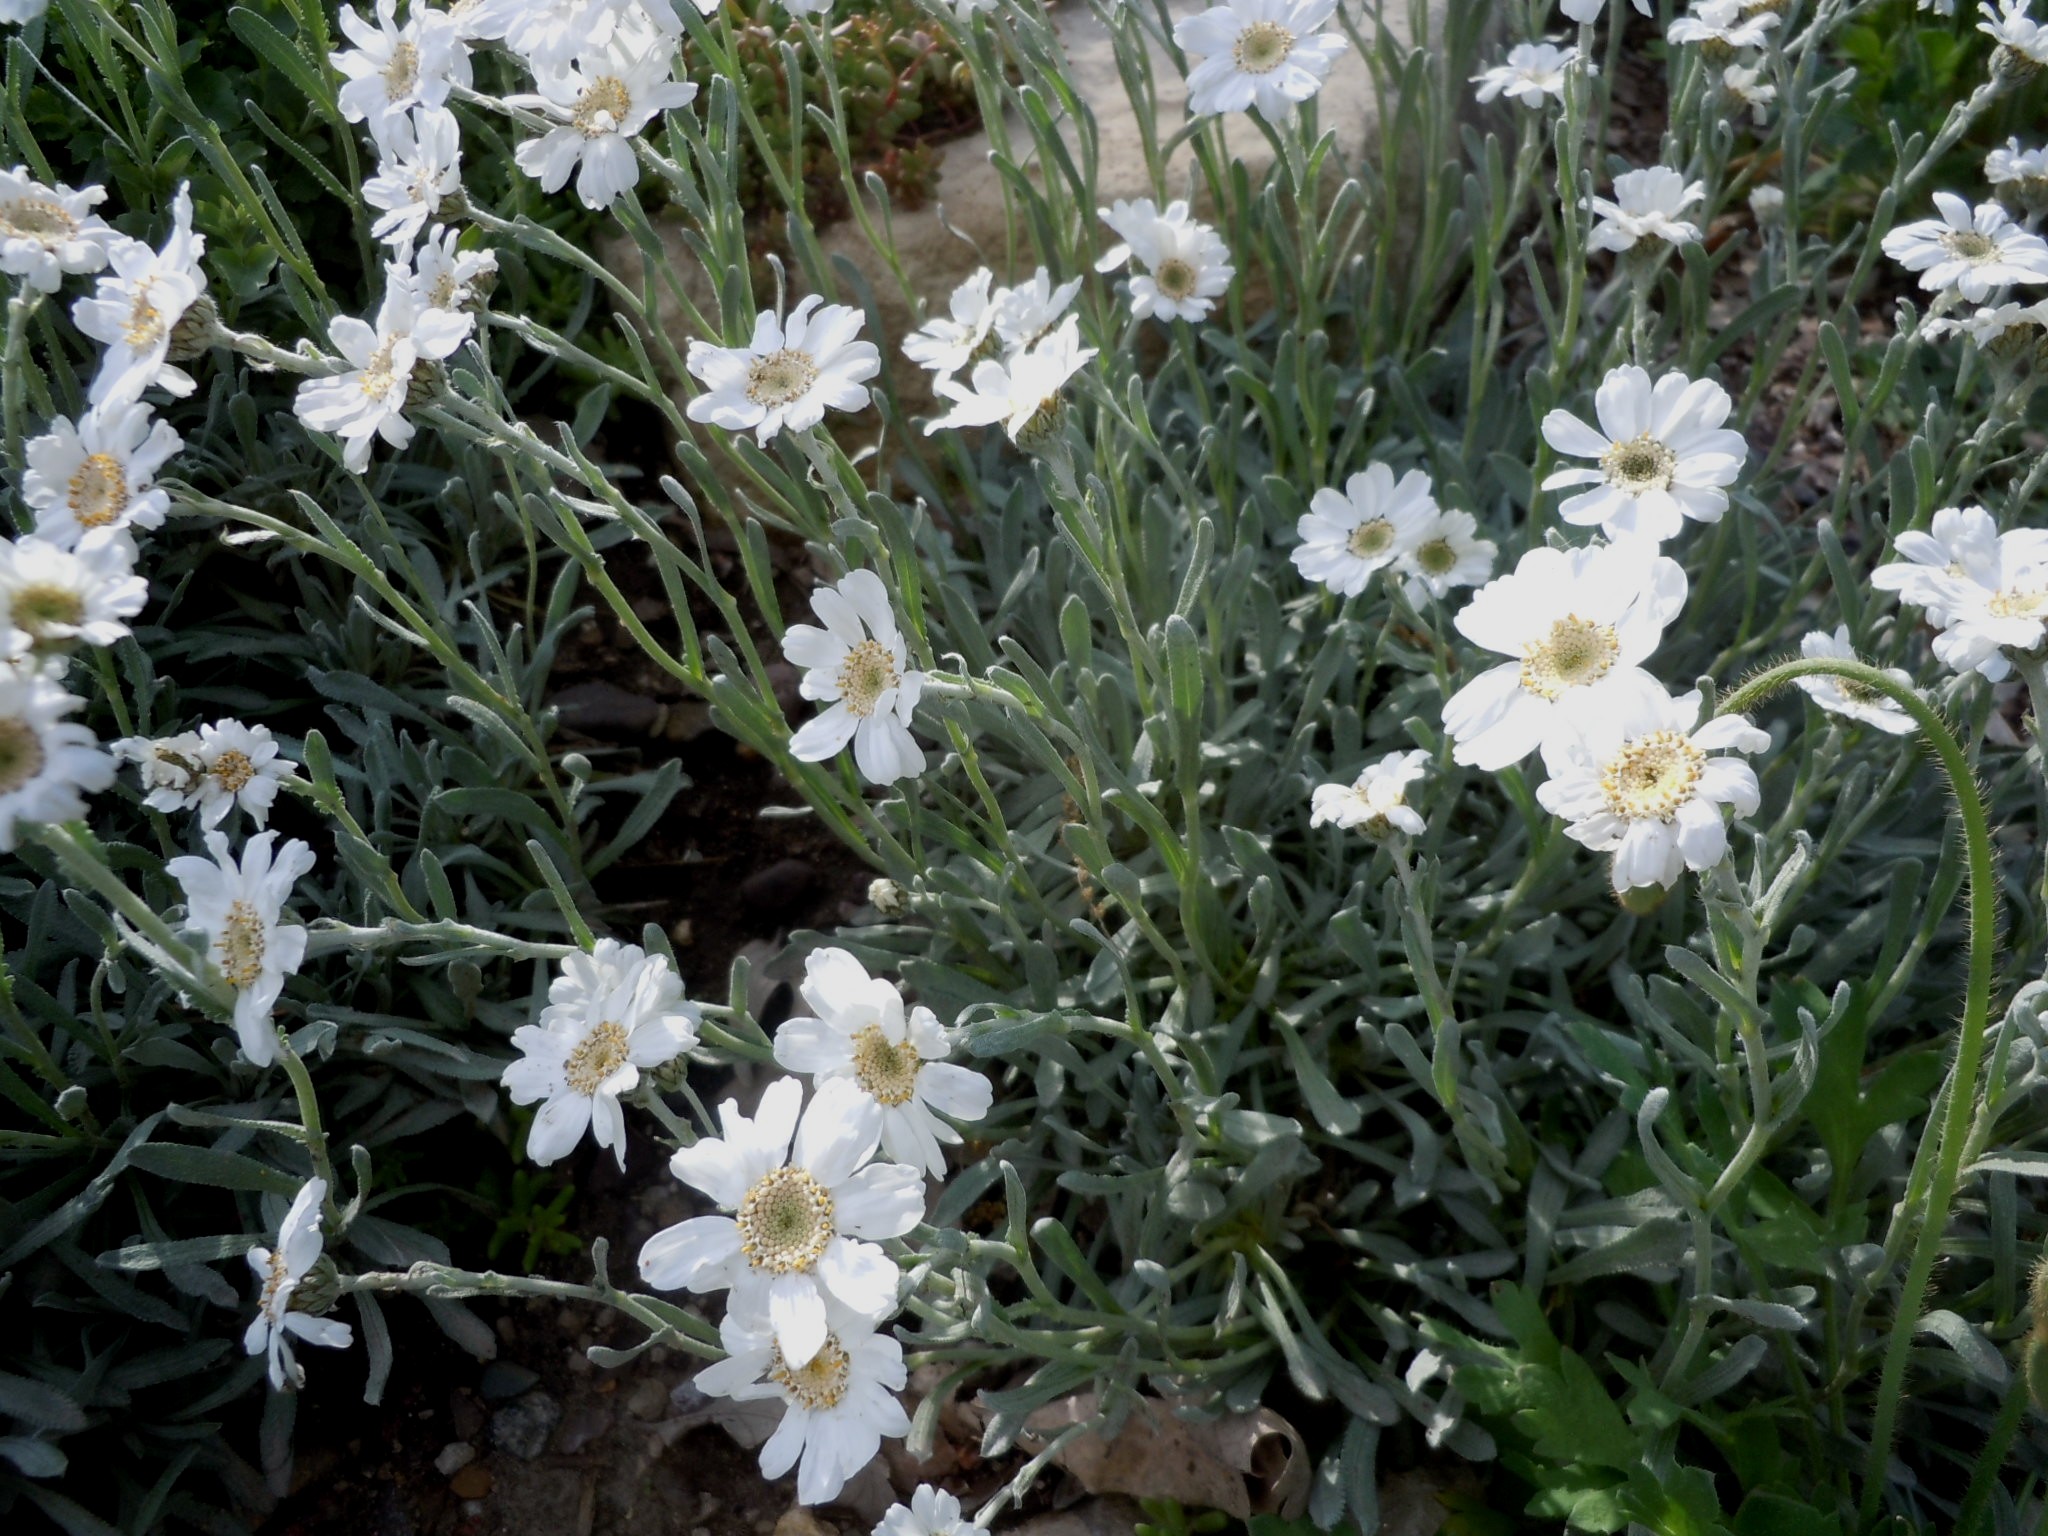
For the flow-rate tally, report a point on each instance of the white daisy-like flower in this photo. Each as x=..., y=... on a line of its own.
x=48, y=764
x=839, y=1404
x=1720, y=27
x=368, y=400
x=1376, y=801
x=1571, y=621
x=1187, y=267
x=1531, y=72
x=1646, y=206
x=133, y=312
x=421, y=169
x=1632, y=775
x=1583, y=11
x=1025, y=391
x=1448, y=554
x=1768, y=204
x=1989, y=609
x=2011, y=27
x=51, y=596
x=601, y=101
x=1663, y=455
x=99, y=472
x=19, y=11
x=611, y=1014
x=930, y=1512
x=486, y=21
x=859, y=665
x=1748, y=86
x=549, y=34
x=1373, y=522
x=238, y=906
x=1971, y=251
x=169, y=767
x=1844, y=696
x=2018, y=174
x=805, y=1222
x=47, y=232
x=2007, y=331
x=239, y=766
x=945, y=345
x=860, y=1031
x=447, y=278
x=787, y=377
x=392, y=69
x=1962, y=542
x=1263, y=55
x=1027, y=313
x=280, y=1270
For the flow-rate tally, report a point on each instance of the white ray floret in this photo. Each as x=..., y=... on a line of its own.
x=1186, y=266
x=367, y=400
x=395, y=69
x=930, y=1512
x=280, y=1271
x=1662, y=452
x=134, y=311
x=1531, y=72
x=1969, y=250
x=1266, y=56
x=1646, y=206
x=48, y=764
x=48, y=233
x=945, y=345
x=1845, y=696
x=859, y=667
x=421, y=170
x=1989, y=604
x=238, y=904
x=240, y=767
x=600, y=103
x=1024, y=392
x=99, y=472
x=789, y=375
x=1961, y=543
x=51, y=597
x=1448, y=554
x=1376, y=802
x=1373, y=522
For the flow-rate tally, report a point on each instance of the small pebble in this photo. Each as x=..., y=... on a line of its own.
x=502, y=1381
x=648, y=1399
x=521, y=1428
x=454, y=1457
x=472, y=1482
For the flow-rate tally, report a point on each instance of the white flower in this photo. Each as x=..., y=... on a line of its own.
x=790, y=373
x=1373, y=522
x=1992, y=600
x=1663, y=454
x=1024, y=391
x=394, y=69
x=368, y=400
x=47, y=764
x=860, y=1032
x=2024, y=170
x=1961, y=543
x=1266, y=55
x=18, y=11
x=2011, y=25
x=804, y=1224
x=859, y=664
x=945, y=346
x=1749, y=87
x=275, y=1324
x=1971, y=252
x=170, y=769
x=238, y=906
x=1997, y=328
x=838, y=1405
x=1589, y=10
x=1939, y=7
x=1720, y=27
x=1646, y=206
x=549, y=33
x=46, y=232
x=239, y=766
x=421, y=169
x=1377, y=800
x=52, y=596
x=1027, y=313
x=448, y=278
x=1572, y=621
x=601, y=101
x=1447, y=555
x=1847, y=698
x=1768, y=204
x=931, y=1512
x=1532, y=71
x=99, y=473
x=1187, y=265
x=1631, y=775
x=134, y=311
x=610, y=1014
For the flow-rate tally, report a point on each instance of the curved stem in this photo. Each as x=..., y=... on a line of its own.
x=1960, y=1096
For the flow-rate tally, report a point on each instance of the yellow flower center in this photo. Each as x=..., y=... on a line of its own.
x=274, y=1279
x=1437, y=557
x=1968, y=244
x=38, y=219
x=232, y=770
x=403, y=72
x=602, y=108
x=868, y=672
x=21, y=755
x=1176, y=277
x=1262, y=47
x=888, y=1072
x=239, y=949
x=2019, y=603
x=1576, y=653
x=817, y=1385
x=780, y=377
x=785, y=1222
x=41, y=611
x=602, y=1052
x=1371, y=538
x=1640, y=464
x=99, y=491
x=1652, y=777
x=145, y=327
x=380, y=379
